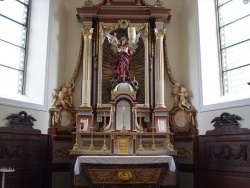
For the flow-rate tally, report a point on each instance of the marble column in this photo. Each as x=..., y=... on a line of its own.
x=159, y=68
x=87, y=67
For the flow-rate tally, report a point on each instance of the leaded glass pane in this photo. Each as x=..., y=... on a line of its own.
x=25, y=1
x=229, y=13
x=235, y=32
x=14, y=10
x=9, y=80
x=236, y=80
x=12, y=32
x=220, y=2
x=234, y=19
x=236, y=56
x=11, y=56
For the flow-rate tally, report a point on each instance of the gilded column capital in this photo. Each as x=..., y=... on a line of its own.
x=159, y=33
x=87, y=33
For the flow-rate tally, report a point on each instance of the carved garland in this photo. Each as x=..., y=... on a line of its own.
x=71, y=84
x=182, y=103
x=226, y=153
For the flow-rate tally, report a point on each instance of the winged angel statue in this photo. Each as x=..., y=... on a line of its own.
x=124, y=49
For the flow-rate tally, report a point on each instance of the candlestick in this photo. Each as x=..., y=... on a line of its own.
x=153, y=119
x=76, y=146
x=153, y=147
x=140, y=121
x=104, y=147
x=140, y=145
x=169, y=146
x=91, y=146
x=4, y=170
x=131, y=34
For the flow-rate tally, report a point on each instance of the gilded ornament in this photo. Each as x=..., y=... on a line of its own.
x=87, y=33
x=184, y=153
x=61, y=152
x=159, y=33
x=124, y=175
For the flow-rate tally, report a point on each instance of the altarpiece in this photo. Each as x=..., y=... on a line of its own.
x=123, y=58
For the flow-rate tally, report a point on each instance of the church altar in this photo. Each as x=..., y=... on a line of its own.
x=124, y=171
x=123, y=160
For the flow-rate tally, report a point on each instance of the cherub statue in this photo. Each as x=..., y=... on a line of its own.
x=183, y=98
x=124, y=49
x=64, y=96
x=175, y=92
x=70, y=87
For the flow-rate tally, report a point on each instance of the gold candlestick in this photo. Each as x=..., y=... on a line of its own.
x=91, y=146
x=140, y=145
x=169, y=146
x=153, y=147
x=76, y=146
x=104, y=147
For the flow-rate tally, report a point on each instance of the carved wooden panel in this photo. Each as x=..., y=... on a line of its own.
x=228, y=152
x=28, y=155
x=224, y=160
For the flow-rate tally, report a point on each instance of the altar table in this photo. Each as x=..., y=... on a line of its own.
x=124, y=160
x=124, y=171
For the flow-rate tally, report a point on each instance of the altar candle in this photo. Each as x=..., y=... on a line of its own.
x=153, y=119
x=132, y=34
x=140, y=121
x=92, y=122
x=104, y=125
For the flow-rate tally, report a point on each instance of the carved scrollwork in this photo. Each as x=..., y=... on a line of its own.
x=123, y=23
x=226, y=152
x=19, y=151
x=61, y=152
x=128, y=176
x=225, y=119
x=21, y=118
x=184, y=153
x=124, y=175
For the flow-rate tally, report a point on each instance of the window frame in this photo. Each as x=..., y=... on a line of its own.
x=25, y=48
x=220, y=48
x=36, y=78
x=210, y=81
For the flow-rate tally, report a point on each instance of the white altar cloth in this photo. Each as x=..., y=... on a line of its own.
x=123, y=160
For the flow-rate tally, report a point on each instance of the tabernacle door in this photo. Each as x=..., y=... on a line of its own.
x=123, y=115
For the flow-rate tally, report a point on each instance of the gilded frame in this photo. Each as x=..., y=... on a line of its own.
x=65, y=119
x=180, y=120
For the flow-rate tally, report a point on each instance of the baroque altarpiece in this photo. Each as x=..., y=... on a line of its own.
x=123, y=59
